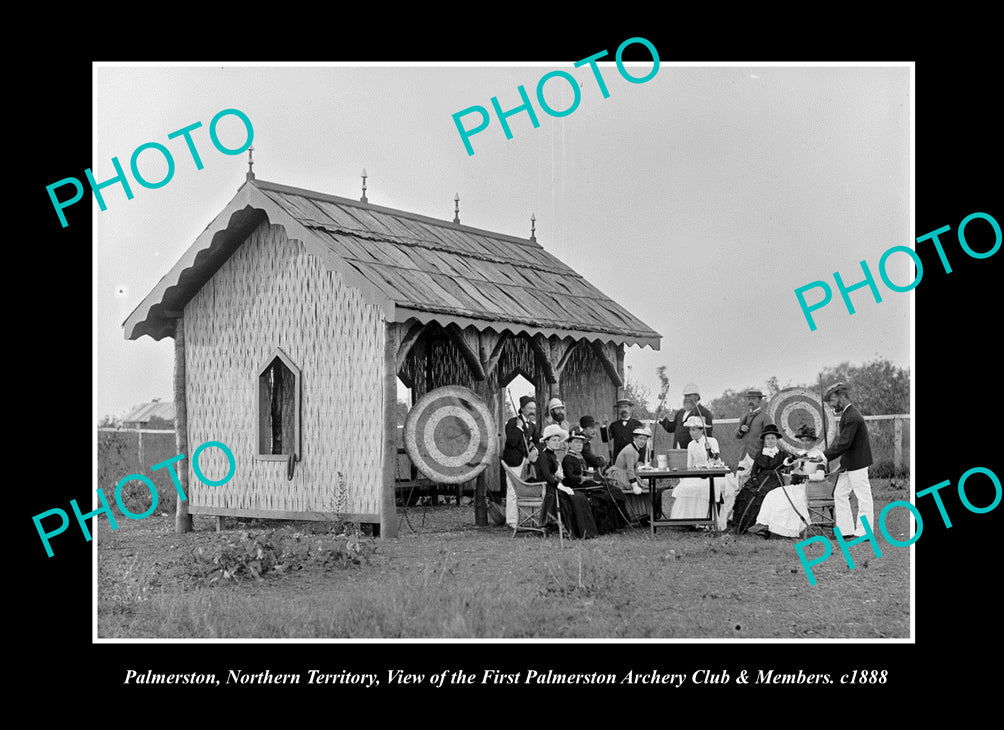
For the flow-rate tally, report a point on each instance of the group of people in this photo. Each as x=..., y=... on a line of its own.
x=594, y=496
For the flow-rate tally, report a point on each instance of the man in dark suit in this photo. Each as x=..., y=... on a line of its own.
x=855, y=452
x=751, y=424
x=521, y=434
x=621, y=432
x=588, y=426
x=691, y=407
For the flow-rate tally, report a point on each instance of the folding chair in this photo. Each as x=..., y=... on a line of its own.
x=819, y=496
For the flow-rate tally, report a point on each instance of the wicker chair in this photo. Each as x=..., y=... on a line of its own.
x=529, y=503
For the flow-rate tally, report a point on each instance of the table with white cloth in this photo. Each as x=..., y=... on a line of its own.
x=653, y=476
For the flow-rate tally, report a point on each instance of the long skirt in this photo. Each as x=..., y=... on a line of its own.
x=690, y=498
x=576, y=514
x=748, y=503
x=609, y=508
x=778, y=514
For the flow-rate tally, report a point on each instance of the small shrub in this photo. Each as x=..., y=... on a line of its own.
x=277, y=552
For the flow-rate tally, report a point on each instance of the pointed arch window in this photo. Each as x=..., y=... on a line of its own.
x=278, y=419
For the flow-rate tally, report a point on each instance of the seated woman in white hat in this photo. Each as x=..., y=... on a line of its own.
x=576, y=514
x=785, y=510
x=690, y=496
x=624, y=475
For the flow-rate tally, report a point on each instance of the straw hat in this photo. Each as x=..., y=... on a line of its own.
x=554, y=429
x=555, y=403
x=691, y=388
x=642, y=431
x=624, y=402
x=694, y=422
x=839, y=385
x=753, y=393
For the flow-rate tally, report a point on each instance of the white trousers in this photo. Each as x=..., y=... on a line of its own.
x=855, y=481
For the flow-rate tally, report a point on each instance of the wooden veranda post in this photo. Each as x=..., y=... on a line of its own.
x=182, y=520
x=388, y=502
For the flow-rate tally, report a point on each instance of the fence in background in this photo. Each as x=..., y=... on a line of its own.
x=134, y=451
x=889, y=436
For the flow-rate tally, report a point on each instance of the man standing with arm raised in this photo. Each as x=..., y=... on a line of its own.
x=855, y=452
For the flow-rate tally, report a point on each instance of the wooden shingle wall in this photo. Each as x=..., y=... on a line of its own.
x=271, y=294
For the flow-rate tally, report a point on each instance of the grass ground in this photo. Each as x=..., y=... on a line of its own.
x=448, y=579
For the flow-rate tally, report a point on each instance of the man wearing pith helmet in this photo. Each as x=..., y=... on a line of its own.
x=853, y=447
x=691, y=407
x=556, y=416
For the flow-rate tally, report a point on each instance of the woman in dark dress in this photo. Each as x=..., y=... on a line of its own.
x=605, y=513
x=764, y=476
x=576, y=513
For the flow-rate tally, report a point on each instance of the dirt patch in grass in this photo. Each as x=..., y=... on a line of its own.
x=448, y=579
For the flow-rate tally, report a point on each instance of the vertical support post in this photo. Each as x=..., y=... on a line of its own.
x=182, y=520
x=897, y=459
x=142, y=463
x=388, y=508
x=481, y=485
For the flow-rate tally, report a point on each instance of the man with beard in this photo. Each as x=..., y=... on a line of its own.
x=854, y=449
x=521, y=435
x=691, y=406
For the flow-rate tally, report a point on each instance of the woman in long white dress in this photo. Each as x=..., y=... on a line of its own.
x=785, y=510
x=690, y=496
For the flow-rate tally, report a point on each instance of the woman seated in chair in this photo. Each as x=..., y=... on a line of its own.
x=690, y=496
x=785, y=509
x=603, y=501
x=576, y=514
x=623, y=474
x=764, y=476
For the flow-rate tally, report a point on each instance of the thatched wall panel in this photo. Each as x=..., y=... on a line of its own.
x=585, y=386
x=271, y=294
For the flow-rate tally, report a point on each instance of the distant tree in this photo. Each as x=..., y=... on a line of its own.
x=160, y=423
x=641, y=396
x=877, y=387
x=110, y=422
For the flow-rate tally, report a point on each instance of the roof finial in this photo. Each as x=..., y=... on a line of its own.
x=363, y=199
x=250, y=173
x=533, y=227
x=456, y=208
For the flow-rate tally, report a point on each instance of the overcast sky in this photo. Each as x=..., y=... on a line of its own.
x=699, y=200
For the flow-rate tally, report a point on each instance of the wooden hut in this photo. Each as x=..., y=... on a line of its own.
x=295, y=312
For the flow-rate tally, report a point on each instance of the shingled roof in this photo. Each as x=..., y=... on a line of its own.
x=413, y=265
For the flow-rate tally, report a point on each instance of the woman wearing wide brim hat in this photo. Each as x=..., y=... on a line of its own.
x=576, y=514
x=606, y=504
x=690, y=496
x=765, y=475
x=785, y=509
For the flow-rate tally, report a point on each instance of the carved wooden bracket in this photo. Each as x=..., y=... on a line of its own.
x=609, y=365
x=469, y=355
x=408, y=340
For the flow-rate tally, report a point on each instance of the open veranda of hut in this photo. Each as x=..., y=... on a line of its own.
x=442, y=577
